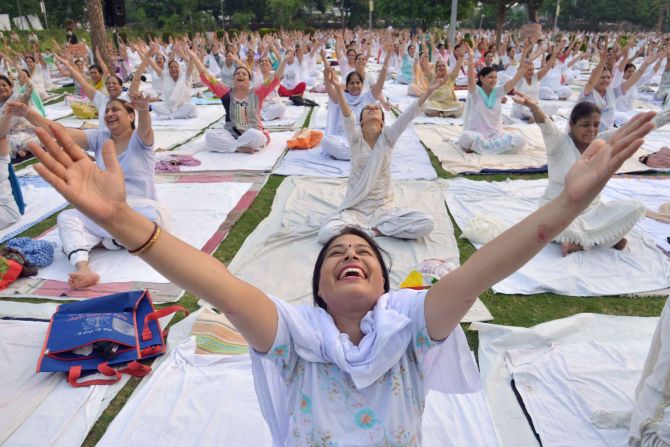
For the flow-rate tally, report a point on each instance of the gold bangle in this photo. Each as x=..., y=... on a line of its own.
x=149, y=243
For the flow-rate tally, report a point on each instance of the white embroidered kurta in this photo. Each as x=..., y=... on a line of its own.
x=601, y=223
x=316, y=388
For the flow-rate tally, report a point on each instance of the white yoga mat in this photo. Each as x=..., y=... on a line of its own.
x=653, y=193
x=278, y=256
x=595, y=349
x=58, y=110
x=441, y=140
x=206, y=116
x=42, y=408
x=396, y=94
x=410, y=161
x=263, y=160
x=203, y=399
x=196, y=212
x=293, y=119
x=640, y=267
x=41, y=202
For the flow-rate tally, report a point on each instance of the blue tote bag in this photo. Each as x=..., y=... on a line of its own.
x=98, y=334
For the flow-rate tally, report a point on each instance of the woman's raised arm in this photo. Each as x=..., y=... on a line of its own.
x=101, y=196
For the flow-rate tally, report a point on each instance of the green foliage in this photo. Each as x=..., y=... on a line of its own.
x=265, y=31
x=233, y=32
x=282, y=12
x=309, y=30
x=243, y=19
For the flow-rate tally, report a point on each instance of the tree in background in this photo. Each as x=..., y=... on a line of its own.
x=96, y=23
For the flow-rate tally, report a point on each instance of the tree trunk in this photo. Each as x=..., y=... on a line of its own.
x=501, y=13
x=96, y=22
x=661, y=18
x=533, y=12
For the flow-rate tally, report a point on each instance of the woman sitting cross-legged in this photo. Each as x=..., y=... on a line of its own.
x=601, y=223
x=368, y=204
x=132, y=151
x=330, y=371
x=243, y=129
x=482, y=122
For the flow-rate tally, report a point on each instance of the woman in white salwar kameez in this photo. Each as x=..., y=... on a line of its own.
x=482, y=121
x=368, y=203
x=273, y=107
x=330, y=372
x=599, y=89
x=334, y=142
x=133, y=151
x=602, y=223
x=625, y=105
x=176, y=95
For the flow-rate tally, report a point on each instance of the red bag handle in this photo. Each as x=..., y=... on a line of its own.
x=134, y=368
x=155, y=315
x=75, y=373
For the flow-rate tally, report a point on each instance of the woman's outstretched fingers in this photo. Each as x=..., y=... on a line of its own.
x=75, y=152
x=52, y=178
x=45, y=157
x=110, y=158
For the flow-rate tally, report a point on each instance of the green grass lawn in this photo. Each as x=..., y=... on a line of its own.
x=514, y=310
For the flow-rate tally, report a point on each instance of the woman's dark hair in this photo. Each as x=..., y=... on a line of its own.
x=488, y=52
x=482, y=73
x=173, y=62
x=242, y=68
x=351, y=50
x=25, y=70
x=118, y=79
x=29, y=57
x=359, y=55
x=6, y=80
x=628, y=65
x=360, y=117
x=351, y=75
x=95, y=67
x=583, y=109
x=126, y=105
x=316, y=277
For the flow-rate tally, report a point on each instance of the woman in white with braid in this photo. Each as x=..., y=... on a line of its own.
x=133, y=151
x=328, y=372
x=335, y=142
x=482, y=122
x=602, y=224
x=368, y=203
x=600, y=92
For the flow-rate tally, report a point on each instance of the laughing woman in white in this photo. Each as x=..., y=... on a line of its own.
x=331, y=372
x=601, y=224
x=368, y=204
x=133, y=151
x=482, y=123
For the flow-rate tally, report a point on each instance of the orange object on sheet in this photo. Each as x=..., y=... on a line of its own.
x=305, y=139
